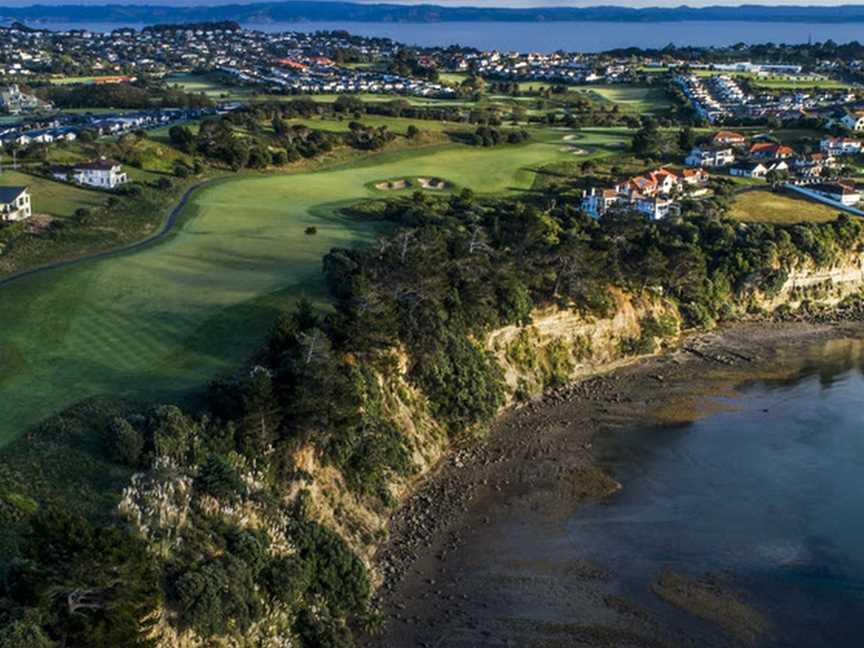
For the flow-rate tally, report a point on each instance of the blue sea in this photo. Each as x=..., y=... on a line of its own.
x=766, y=494
x=568, y=36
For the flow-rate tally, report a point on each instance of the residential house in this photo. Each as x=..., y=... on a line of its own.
x=653, y=193
x=770, y=150
x=14, y=102
x=728, y=138
x=694, y=177
x=660, y=181
x=102, y=174
x=597, y=202
x=748, y=170
x=15, y=204
x=840, y=145
x=655, y=207
x=704, y=156
x=853, y=120
x=813, y=164
x=838, y=191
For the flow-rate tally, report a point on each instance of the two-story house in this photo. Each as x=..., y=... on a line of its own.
x=102, y=174
x=15, y=204
x=707, y=156
x=840, y=145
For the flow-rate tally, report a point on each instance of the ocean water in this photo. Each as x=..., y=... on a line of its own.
x=569, y=36
x=768, y=495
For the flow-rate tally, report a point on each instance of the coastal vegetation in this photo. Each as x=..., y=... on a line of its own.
x=242, y=486
x=204, y=435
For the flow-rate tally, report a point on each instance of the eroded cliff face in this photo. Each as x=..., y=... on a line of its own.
x=360, y=522
x=828, y=286
x=556, y=347
x=562, y=345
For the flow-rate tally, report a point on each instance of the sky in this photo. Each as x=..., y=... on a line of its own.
x=453, y=3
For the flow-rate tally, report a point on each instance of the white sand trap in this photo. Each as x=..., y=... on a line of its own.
x=578, y=151
x=569, y=138
x=392, y=185
x=436, y=184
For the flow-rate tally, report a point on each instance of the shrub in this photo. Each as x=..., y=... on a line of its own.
x=219, y=478
x=464, y=384
x=217, y=595
x=125, y=443
x=336, y=574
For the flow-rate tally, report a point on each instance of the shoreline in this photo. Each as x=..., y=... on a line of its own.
x=525, y=479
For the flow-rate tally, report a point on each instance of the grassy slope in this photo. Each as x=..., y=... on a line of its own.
x=54, y=198
x=158, y=323
x=633, y=98
x=768, y=207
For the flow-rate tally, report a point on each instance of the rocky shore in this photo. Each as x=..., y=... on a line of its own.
x=475, y=556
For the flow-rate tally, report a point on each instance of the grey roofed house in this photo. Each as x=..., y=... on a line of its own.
x=9, y=194
x=14, y=204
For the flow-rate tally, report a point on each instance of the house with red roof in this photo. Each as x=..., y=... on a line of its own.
x=291, y=64
x=653, y=193
x=728, y=138
x=770, y=150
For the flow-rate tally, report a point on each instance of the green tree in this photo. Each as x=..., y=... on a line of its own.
x=125, y=443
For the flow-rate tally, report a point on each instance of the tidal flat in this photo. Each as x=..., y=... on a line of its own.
x=685, y=499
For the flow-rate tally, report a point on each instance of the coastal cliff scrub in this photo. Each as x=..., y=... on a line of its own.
x=261, y=512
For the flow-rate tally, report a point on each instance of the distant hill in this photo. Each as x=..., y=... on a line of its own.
x=304, y=10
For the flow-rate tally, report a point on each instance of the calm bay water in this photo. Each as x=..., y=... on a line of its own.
x=569, y=36
x=768, y=495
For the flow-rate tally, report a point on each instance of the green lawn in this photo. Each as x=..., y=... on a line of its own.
x=769, y=207
x=395, y=124
x=634, y=98
x=794, y=83
x=212, y=84
x=53, y=198
x=452, y=77
x=216, y=86
x=158, y=323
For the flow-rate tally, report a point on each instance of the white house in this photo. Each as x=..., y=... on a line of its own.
x=728, y=138
x=655, y=207
x=843, y=193
x=103, y=174
x=653, y=193
x=41, y=137
x=710, y=157
x=853, y=120
x=597, y=202
x=840, y=145
x=749, y=170
x=813, y=164
x=15, y=204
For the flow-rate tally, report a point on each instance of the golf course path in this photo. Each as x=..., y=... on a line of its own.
x=163, y=231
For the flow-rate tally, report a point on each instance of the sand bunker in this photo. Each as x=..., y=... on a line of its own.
x=575, y=150
x=392, y=185
x=570, y=138
x=436, y=184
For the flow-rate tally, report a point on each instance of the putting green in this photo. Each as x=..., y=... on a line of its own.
x=158, y=323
